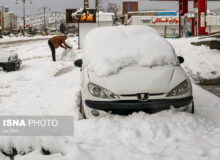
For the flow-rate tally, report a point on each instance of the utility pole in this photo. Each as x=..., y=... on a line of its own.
x=97, y=5
x=24, y=22
x=2, y=9
x=100, y=5
x=2, y=23
x=24, y=14
x=11, y=25
x=44, y=10
x=86, y=4
x=56, y=22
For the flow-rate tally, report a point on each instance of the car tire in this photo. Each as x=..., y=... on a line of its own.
x=3, y=67
x=81, y=107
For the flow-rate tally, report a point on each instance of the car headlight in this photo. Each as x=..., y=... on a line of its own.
x=12, y=58
x=100, y=92
x=180, y=89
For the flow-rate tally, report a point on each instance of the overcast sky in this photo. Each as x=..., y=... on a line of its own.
x=61, y=5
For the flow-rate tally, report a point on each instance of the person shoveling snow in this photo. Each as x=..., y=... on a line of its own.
x=56, y=42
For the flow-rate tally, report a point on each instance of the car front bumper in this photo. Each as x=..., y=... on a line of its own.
x=13, y=65
x=130, y=106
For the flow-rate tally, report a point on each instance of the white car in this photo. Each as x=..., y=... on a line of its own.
x=9, y=61
x=127, y=84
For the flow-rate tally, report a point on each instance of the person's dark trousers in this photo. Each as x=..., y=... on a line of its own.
x=52, y=50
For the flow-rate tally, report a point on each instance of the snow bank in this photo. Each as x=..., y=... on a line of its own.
x=207, y=105
x=69, y=54
x=109, y=49
x=3, y=157
x=166, y=135
x=72, y=42
x=201, y=62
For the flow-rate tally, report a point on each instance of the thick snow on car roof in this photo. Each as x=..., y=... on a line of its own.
x=109, y=49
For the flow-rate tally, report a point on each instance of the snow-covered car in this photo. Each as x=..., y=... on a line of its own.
x=9, y=61
x=128, y=69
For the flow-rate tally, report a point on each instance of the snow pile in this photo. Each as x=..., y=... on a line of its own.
x=166, y=135
x=109, y=49
x=69, y=54
x=201, y=62
x=72, y=42
x=207, y=105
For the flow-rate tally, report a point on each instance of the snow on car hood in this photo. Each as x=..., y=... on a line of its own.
x=133, y=80
x=109, y=49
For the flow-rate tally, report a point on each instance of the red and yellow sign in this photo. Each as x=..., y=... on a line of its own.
x=85, y=16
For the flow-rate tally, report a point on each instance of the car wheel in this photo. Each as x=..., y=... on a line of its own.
x=3, y=67
x=81, y=107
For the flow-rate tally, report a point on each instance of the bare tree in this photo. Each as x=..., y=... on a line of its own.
x=112, y=7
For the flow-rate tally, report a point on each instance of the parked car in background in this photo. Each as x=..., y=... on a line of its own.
x=9, y=61
x=131, y=69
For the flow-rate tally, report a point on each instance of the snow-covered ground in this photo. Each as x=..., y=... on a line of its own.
x=200, y=61
x=43, y=87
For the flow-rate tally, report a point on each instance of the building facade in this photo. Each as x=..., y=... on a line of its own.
x=167, y=22
x=10, y=21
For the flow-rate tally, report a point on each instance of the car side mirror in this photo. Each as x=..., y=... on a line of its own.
x=181, y=59
x=78, y=63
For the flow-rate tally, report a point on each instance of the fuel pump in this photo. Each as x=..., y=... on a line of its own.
x=189, y=24
x=200, y=10
x=198, y=21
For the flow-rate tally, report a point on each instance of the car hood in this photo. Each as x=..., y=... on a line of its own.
x=133, y=80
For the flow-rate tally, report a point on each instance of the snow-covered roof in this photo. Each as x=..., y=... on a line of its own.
x=105, y=16
x=109, y=49
x=106, y=13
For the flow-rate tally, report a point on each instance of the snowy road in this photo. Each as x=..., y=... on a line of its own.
x=8, y=41
x=213, y=88
x=43, y=87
